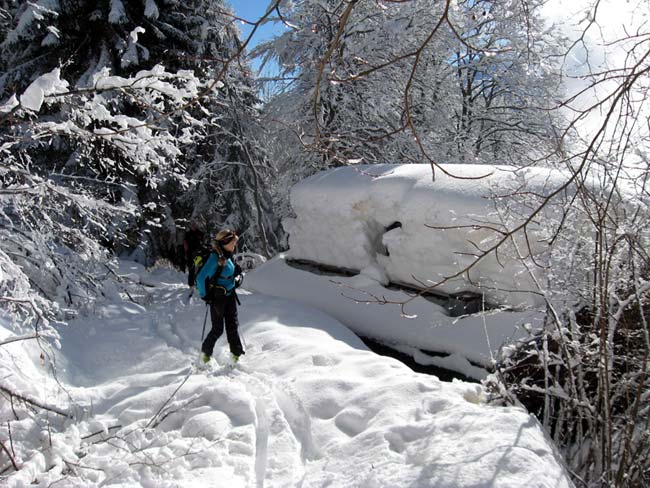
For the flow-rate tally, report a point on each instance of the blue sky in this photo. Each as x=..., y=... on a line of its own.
x=252, y=10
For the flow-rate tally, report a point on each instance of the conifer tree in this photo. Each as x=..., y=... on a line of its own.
x=118, y=119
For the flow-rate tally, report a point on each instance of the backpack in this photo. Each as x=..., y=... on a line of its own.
x=199, y=261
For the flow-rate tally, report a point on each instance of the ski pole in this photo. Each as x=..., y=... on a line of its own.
x=244, y=341
x=207, y=307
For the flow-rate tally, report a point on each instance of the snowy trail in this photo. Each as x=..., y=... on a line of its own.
x=308, y=405
x=279, y=436
x=274, y=441
x=280, y=459
x=298, y=419
x=283, y=439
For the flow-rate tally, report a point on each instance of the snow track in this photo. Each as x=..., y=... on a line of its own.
x=282, y=437
x=283, y=441
x=298, y=420
x=261, y=443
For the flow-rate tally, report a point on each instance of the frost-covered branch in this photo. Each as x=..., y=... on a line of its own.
x=33, y=402
x=19, y=338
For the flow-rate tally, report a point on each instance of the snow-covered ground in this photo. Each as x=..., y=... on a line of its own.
x=307, y=406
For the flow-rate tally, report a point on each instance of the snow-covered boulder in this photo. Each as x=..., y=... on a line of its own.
x=419, y=230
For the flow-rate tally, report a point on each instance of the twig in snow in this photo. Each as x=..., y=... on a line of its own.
x=13, y=460
x=11, y=440
x=168, y=400
x=101, y=432
x=119, y=279
x=13, y=409
x=34, y=402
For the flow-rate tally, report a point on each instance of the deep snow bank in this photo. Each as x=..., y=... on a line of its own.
x=377, y=216
x=461, y=341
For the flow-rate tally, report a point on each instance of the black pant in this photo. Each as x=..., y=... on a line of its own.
x=191, y=271
x=222, y=310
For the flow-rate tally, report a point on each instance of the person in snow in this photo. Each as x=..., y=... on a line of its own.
x=216, y=282
x=192, y=244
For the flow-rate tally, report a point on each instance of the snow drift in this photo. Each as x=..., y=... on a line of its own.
x=466, y=344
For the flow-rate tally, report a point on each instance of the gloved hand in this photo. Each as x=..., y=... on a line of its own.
x=239, y=279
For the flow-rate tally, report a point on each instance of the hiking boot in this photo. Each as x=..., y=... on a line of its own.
x=237, y=357
x=205, y=358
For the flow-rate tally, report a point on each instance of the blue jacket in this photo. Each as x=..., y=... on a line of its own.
x=226, y=277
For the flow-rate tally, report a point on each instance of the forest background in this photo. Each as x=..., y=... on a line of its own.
x=123, y=120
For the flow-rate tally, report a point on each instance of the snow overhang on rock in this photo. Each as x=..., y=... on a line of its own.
x=401, y=223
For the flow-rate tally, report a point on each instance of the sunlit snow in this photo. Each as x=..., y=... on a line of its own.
x=307, y=406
